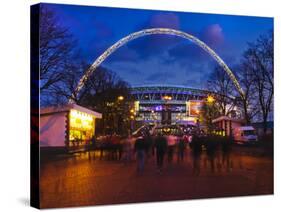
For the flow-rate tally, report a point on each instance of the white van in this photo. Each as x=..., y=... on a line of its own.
x=245, y=135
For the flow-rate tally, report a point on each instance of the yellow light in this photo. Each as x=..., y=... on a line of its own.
x=120, y=98
x=137, y=105
x=132, y=117
x=132, y=111
x=167, y=97
x=210, y=99
x=80, y=120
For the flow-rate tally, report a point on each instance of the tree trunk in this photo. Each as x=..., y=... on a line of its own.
x=264, y=124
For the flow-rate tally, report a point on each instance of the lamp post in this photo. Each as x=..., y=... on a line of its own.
x=132, y=117
x=118, y=114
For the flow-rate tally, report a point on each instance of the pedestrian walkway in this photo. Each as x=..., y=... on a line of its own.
x=79, y=181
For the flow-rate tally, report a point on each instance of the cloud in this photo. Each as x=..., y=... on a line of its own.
x=99, y=33
x=101, y=29
x=188, y=51
x=141, y=48
x=154, y=71
x=165, y=20
x=164, y=59
x=159, y=77
x=124, y=53
x=213, y=35
x=156, y=44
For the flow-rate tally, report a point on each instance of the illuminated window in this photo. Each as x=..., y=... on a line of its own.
x=81, y=126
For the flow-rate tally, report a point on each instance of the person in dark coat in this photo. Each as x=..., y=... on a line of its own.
x=181, y=149
x=148, y=142
x=196, y=147
x=140, y=149
x=161, y=147
x=226, y=151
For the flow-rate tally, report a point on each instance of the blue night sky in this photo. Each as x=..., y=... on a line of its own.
x=160, y=59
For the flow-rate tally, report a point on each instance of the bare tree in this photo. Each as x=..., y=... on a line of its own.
x=220, y=83
x=62, y=91
x=259, y=61
x=100, y=93
x=57, y=48
x=209, y=112
x=248, y=102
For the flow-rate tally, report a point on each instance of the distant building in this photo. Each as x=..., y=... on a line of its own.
x=168, y=104
x=66, y=126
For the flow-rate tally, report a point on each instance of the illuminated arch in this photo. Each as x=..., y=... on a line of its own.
x=145, y=32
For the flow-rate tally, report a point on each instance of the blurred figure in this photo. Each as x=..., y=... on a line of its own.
x=196, y=147
x=172, y=140
x=127, y=149
x=140, y=148
x=149, y=145
x=211, y=147
x=91, y=144
x=181, y=148
x=226, y=150
x=161, y=147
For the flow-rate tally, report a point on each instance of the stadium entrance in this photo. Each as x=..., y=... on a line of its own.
x=168, y=104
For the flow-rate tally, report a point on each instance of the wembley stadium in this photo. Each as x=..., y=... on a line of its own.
x=168, y=104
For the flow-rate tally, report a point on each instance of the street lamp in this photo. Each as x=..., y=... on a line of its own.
x=120, y=98
x=210, y=99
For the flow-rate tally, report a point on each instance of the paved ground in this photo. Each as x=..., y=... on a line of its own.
x=79, y=181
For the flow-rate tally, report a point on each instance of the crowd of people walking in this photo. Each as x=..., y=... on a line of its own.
x=165, y=148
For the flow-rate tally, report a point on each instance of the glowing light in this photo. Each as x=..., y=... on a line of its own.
x=195, y=107
x=145, y=32
x=120, y=98
x=132, y=111
x=137, y=105
x=167, y=98
x=81, y=125
x=210, y=99
x=158, y=108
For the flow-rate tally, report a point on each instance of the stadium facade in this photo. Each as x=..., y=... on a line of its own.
x=168, y=104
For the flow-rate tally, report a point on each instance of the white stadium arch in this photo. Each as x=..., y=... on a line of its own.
x=145, y=32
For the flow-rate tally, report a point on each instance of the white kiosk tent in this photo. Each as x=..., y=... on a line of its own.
x=227, y=124
x=66, y=126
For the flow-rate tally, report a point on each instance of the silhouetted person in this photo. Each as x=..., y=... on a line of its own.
x=127, y=149
x=181, y=149
x=211, y=147
x=91, y=146
x=140, y=148
x=148, y=143
x=196, y=147
x=226, y=149
x=161, y=147
x=171, y=147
